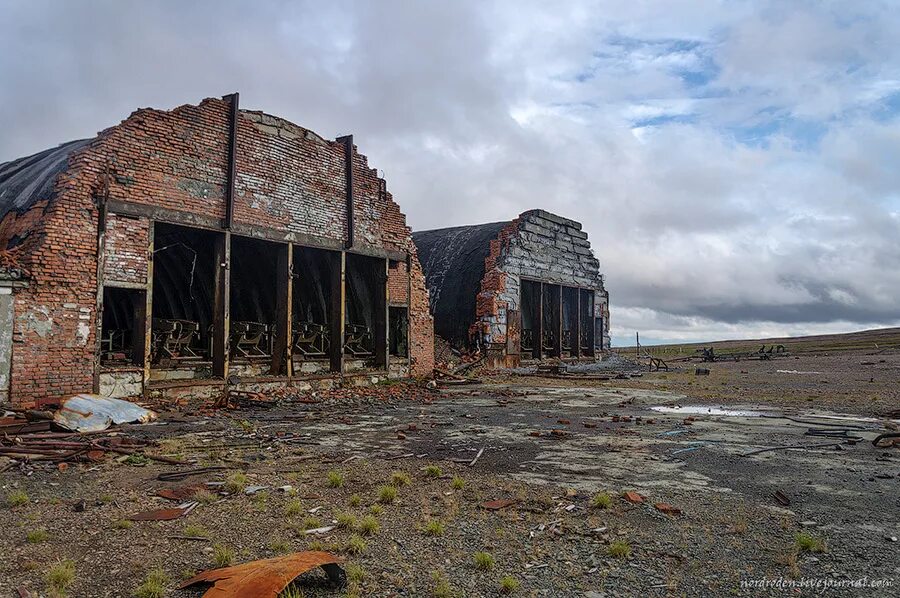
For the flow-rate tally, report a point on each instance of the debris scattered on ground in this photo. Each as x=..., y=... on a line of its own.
x=164, y=514
x=633, y=497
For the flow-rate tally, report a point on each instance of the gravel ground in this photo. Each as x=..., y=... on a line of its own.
x=549, y=445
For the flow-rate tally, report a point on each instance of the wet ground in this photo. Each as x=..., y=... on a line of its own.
x=549, y=448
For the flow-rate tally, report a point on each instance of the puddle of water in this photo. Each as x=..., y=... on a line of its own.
x=706, y=410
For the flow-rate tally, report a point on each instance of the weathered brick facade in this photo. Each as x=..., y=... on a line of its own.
x=537, y=248
x=172, y=166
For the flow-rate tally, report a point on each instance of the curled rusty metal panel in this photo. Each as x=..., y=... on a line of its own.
x=267, y=577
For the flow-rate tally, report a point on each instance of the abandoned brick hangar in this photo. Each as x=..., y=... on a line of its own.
x=182, y=252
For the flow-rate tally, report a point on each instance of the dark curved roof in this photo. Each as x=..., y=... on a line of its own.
x=26, y=181
x=453, y=262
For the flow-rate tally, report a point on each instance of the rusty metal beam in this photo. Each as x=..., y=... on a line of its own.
x=282, y=341
x=231, y=172
x=381, y=303
x=338, y=306
x=101, y=263
x=221, y=305
x=347, y=140
x=148, y=311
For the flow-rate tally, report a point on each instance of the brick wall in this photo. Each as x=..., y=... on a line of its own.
x=398, y=289
x=542, y=246
x=127, y=240
x=289, y=179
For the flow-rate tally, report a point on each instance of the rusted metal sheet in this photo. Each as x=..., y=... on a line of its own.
x=181, y=493
x=91, y=413
x=267, y=577
x=496, y=505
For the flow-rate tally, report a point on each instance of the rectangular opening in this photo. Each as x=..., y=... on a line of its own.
x=598, y=333
x=530, y=300
x=364, y=314
x=184, y=269
x=253, y=304
x=122, y=336
x=587, y=322
x=569, y=320
x=552, y=325
x=313, y=277
x=398, y=331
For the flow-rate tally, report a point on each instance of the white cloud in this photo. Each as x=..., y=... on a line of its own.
x=734, y=163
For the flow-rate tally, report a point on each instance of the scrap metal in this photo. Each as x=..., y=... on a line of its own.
x=268, y=577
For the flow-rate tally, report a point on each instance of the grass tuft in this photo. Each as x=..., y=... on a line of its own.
x=376, y=510
x=368, y=525
x=310, y=522
x=433, y=471
x=355, y=545
x=335, y=479
x=619, y=549
x=36, y=536
x=601, y=500
x=484, y=561
x=154, y=585
x=223, y=556
x=292, y=591
x=280, y=546
x=316, y=545
x=809, y=543
x=293, y=507
x=508, y=585
x=236, y=482
x=433, y=528
x=355, y=500
x=355, y=573
x=458, y=483
x=205, y=497
x=441, y=587
x=60, y=576
x=16, y=498
x=346, y=520
x=400, y=479
x=123, y=524
x=387, y=494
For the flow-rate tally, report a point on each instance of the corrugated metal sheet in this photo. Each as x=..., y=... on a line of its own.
x=92, y=413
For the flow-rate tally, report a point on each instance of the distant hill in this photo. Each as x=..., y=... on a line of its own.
x=865, y=340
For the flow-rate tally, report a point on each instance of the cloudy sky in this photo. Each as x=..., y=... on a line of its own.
x=736, y=164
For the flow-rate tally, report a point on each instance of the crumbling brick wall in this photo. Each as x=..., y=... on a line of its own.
x=127, y=240
x=289, y=179
x=542, y=246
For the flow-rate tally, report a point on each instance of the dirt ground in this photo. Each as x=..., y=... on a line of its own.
x=550, y=446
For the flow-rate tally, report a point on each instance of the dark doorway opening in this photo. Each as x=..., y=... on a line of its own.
x=530, y=299
x=253, y=296
x=399, y=331
x=587, y=322
x=316, y=287
x=365, y=296
x=122, y=336
x=184, y=267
